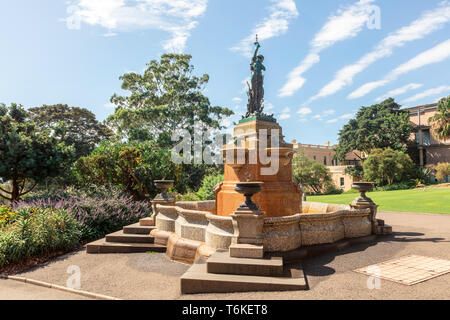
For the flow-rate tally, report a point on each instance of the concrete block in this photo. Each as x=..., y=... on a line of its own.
x=242, y=250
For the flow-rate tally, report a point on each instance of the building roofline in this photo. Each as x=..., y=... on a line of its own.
x=425, y=106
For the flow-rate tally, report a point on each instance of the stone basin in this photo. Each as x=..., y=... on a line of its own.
x=318, y=223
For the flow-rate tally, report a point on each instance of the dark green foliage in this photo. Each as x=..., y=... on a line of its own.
x=386, y=166
x=355, y=171
x=28, y=155
x=378, y=126
x=131, y=166
x=397, y=186
x=74, y=126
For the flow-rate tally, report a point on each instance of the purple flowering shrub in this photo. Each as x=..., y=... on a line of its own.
x=98, y=213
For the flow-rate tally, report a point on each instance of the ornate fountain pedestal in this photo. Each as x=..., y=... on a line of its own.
x=248, y=223
x=363, y=202
x=279, y=196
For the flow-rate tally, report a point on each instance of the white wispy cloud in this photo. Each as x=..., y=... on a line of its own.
x=347, y=23
x=245, y=83
x=429, y=22
x=329, y=112
x=429, y=93
x=317, y=117
x=332, y=121
x=281, y=12
x=304, y=111
x=268, y=106
x=434, y=55
x=399, y=91
x=285, y=114
x=347, y=116
x=236, y=99
x=177, y=17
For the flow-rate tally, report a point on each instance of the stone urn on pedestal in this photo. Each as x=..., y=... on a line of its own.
x=248, y=222
x=164, y=197
x=364, y=202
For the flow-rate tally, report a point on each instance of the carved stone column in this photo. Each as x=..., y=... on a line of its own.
x=364, y=202
x=248, y=223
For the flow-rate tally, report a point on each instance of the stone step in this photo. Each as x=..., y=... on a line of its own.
x=198, y=280
x=137, y=229
x=221, y=263
x=146, y=222
x=383, y=230
x=122, y=237
x=101, y=246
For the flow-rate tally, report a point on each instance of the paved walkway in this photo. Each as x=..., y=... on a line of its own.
x=330, y=276
x=16, y=290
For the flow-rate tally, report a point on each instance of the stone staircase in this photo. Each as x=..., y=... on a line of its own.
x=222, y=274
x=133, y=238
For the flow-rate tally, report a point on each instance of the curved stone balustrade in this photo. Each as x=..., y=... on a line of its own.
x=319, y=207
x=165, y=218
x=191, y=224
x=208, y=205
x=282, y=233
x=219, y=231
x=321, y=228
x=279, y=233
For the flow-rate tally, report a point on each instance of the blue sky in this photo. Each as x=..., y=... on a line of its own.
x=324, y=58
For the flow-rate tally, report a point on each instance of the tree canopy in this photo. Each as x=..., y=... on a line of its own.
x=313, y=176
x=167, y=96
x=387, y=166
x=381, y=125
x=440, y=122
x=28, y=154
x=73, y=125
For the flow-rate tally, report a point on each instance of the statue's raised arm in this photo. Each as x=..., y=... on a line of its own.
x=256, y=49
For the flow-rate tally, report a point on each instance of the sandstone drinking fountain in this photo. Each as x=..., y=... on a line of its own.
x=257, y=223
x=256, y=220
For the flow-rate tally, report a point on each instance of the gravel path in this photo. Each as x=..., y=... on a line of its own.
x=330, y=276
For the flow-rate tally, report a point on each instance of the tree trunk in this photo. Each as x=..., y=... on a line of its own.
x=15, y=192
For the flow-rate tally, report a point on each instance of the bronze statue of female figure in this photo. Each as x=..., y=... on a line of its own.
x=256, y=90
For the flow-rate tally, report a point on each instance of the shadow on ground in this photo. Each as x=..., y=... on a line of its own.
x=361, y=255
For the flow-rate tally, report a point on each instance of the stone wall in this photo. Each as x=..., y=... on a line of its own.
x=319, y=223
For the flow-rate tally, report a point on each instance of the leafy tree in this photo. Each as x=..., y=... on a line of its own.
x=165, y=98
x=355, y=171
x=312, y=175
x=442, y=171
x=378, y=126
x=131, y=166
x=73, y=125
x=387, y=166
x=441, y=120
x=206, y=191
x=28, y=155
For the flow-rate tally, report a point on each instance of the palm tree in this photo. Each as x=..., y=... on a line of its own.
x=440, y=122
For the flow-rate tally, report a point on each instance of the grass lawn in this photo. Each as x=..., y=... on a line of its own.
x=415, y=200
